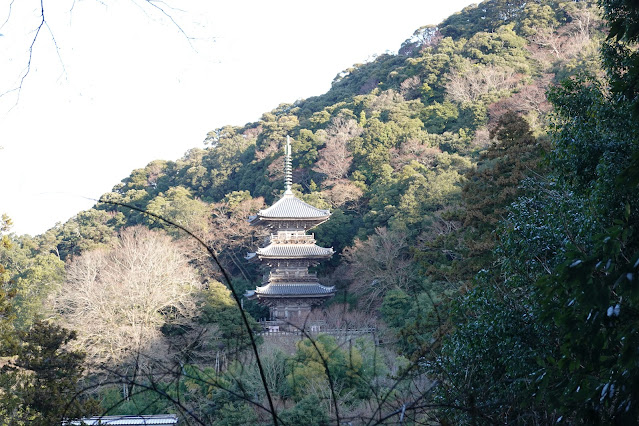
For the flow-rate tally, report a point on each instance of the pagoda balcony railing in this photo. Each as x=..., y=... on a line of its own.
x=291, y=276
x=292, y=238
x=273, y=329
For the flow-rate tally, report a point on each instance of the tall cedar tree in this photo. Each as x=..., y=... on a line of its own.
x=495, y=184
x=489, y=190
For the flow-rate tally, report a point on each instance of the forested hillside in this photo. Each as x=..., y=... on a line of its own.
x=483, y=189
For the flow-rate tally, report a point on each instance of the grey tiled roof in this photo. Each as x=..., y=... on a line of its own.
x=293, y=289
x=290, y=206
x=250, y=256
x=294, y=250
x=168, y=419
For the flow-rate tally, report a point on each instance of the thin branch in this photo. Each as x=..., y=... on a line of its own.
x=27, y=70
x=161, y=6
x=8, y=15
x=228, y=282
x=43, y=23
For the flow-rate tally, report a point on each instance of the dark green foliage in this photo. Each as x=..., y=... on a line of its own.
x=496, y=183
x=488, y=16
x=502, y=47
x=550, y=333
x=40, y=386
x=489, y=191
x=488, y=365
x=308, y=411
x=591, y=296
x=619, y=50
x=323, y=368
x=31, y=275
x=305, y=148
x=178, y=205
x=395, y=304
x=7, y=316
x=441, y=117
x=591, y=151
x=219, y=398
x=236, y=414
x=139, y=400
x=485, y=17
x=416, y=319
x=339, y=232
x=593, y=301
x=219, y=309
x=88, y=230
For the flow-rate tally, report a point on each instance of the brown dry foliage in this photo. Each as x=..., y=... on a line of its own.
x=118, y=299
x=413, y=150
x=378, y=264
x=335, y=158
x=232, y=236
x=344, y=192
x=471, y=84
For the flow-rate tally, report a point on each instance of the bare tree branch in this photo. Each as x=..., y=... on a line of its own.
x=160, y=6
x=8, y=15
x=227, y=280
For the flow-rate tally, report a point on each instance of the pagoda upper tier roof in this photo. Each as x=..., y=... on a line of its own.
x=295, y=289
x=290, y=207
x=294, y=251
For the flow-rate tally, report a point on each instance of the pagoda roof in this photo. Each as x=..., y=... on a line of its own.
x=296, y=251
x=295, y=289
x=290, y=207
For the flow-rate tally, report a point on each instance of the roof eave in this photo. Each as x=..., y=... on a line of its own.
x=284, y=295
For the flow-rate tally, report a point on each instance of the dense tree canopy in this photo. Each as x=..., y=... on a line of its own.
x=483, y=190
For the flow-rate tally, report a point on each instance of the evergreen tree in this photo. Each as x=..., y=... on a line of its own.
x=40, y=385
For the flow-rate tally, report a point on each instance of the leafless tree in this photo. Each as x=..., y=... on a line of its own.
x=119, y=298
x=379, y=264
x=413, y=150
x=527, y=99
x=549, y=40
x=472, y=83
x=340, y=317
x=566, y=41
x=275, y=170
x=335, y=158
x=481, y=138
x=232, y=235
x=42, y=26
x=409, y=88
x=344, y=192
x=422, y=38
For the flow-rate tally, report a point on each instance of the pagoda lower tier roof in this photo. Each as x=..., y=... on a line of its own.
x=295, y=290
x=293, y=251
x=290, y=207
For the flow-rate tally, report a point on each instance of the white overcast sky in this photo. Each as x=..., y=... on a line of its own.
x=126, y=87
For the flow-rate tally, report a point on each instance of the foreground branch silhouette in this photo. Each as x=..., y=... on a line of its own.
x=228, y=282
x=160, y=7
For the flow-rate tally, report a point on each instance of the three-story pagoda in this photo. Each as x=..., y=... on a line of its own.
x=289, y=289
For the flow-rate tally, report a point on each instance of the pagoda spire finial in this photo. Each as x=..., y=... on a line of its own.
x=288, y=167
